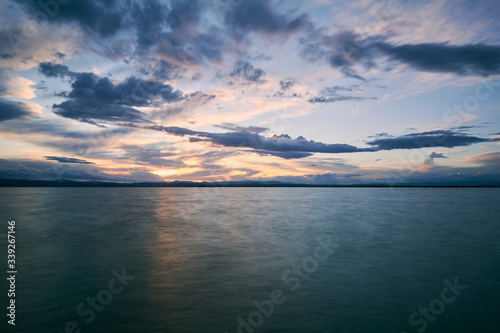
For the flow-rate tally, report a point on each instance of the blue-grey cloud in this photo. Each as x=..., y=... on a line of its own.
x=470, y=59
x=237, y=128
x=150, y=18
x=50, y=170
x=244, y=139
x=103, y=17
x=14, y=110
x=184, y=42
x=286, y=84
x=258, y=16
x=169, y=30
x=330, y=95
x=283, y=154
x=67, y=160
x=438, y=138
x=276, y=143
x=59, y=130
x=248, y=72
x=93, y=99
x=284, y=143
x=54, y=70
x=434, y=155
x=345, y=50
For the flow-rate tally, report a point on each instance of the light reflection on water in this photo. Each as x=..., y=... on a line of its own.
x=201, y=257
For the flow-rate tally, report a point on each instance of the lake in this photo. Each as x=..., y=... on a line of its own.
x=253, y=259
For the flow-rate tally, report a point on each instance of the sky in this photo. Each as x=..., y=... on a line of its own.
x=313, y=92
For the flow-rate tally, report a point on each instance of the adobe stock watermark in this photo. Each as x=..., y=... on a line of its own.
x=352, y=50
x=436, y=307
x=48, y=9
x=103, y=298
x=455, y=116
x=292, y=279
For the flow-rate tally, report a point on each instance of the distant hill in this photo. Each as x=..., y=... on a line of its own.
x=73, y=183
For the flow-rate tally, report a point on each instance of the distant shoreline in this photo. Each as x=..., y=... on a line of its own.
x=71, y=183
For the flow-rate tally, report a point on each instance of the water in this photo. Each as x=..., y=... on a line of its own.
x=199, y=259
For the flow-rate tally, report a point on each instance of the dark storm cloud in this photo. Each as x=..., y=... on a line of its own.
x=98, y=99
x=67, y=160
x=438, y=138
x=257, y=15
x=471, y=59
x=248, y=72
x=14, y=110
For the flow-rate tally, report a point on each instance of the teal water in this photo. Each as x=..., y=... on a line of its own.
x=196, y=259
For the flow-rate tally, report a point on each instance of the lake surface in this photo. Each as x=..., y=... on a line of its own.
x=206, y=259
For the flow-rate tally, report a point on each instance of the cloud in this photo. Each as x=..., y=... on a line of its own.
x=67, y=160
x=434, y=155
x=346, y=49
x=149, y=17
x=237, y=128
x=248, y=72
x=327, y=178
x=54, y=70
x=277, y=143
x=429, y=162
x=330, y=95
x=283, y=154
x=102, y=17
x=438, y=138
x=49, y=170
x=151, y=155
x=287, y=84
x=490, y=159
x=184, y=42
x=244, y=139
x=169, y=30
x=16, y=86
x=342, y=51
x=258, y=16
x=164, y=70
x=26, y=38
x=59, y=129
x=15, y=110
x=284, y=143
x=470, y=59
x=93, y=99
